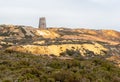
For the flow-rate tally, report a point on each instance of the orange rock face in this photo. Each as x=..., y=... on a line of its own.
x=109, y=36
x=111, y=33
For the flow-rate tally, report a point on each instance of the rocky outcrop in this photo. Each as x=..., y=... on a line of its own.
x=58, y=40
x=26, y=32
x=47, y=34
x=108, y=36
x=84, y=49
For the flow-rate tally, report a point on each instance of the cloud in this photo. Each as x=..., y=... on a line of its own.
x=69, y=13
x=105, y=1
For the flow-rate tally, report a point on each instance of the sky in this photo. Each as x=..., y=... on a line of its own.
x=93, y=14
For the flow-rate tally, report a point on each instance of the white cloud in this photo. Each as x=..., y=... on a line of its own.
x=71, y=13
x=105, y=1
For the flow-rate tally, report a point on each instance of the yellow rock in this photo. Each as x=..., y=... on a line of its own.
x=39, y=42
x=57, y=49
x=111, y=33
x=47, y=34
x=3, y=42
x=2, y=38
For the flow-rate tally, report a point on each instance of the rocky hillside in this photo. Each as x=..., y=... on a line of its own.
x=59, y=41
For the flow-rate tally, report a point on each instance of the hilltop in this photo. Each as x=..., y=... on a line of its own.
x=26, y=36
x=59, y=41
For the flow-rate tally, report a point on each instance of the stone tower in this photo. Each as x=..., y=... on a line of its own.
x=42, y=23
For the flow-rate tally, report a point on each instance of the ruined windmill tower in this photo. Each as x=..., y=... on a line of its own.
x=42, y=23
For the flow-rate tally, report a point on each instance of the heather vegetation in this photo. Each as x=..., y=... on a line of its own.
x=21, y=67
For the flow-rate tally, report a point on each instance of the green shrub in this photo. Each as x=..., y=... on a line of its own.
x=22, y=67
